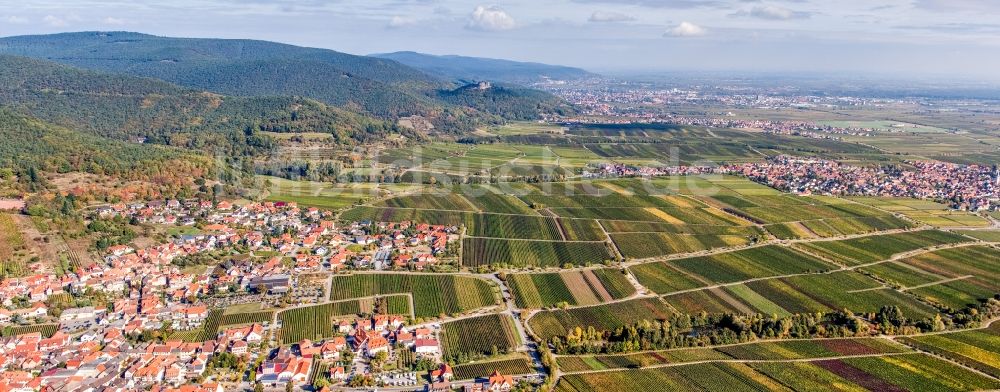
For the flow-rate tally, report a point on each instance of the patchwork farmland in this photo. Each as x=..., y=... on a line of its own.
x=586, y=287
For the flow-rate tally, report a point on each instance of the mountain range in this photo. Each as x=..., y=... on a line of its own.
x=465, y=68
x=120, y=94
x=371, y=86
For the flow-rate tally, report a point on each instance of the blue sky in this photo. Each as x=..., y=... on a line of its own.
x=953, y=38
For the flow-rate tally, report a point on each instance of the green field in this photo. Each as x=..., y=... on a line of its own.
x=863, y=250
x=775, y=350
x=471, y=338
x=903, y=372
x=433, y=295
x=316, y=322
x=587, y=287
x=979, y=349
x=522, y=253
x=753, y=263
x=800, y=294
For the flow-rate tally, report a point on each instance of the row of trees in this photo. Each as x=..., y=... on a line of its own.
x=683, y=330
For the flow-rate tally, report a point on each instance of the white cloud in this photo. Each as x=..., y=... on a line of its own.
x=490, y=18
x=54, y=21
x=606, y=16
x=114, y=21
x=685, y=29
x=401, y=21
x=14, y=19
x=775, y=13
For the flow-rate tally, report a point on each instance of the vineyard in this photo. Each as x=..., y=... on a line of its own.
x=831, y=227
x=476, y=337
x=433, y=295
x=979, y=349
x=800, y=294
x=559, y=322
x=260, y=317
x=624, y=226
x=513, y=226
x=12, y=247
x=385, y=214
x=430, y=201
x=912, y=372
x=869, y=249
x=645, y=245
x=587, y=287
x=581, y=230
x=398, y=305
x=758, y=262
x=312, y=322
x=522, y=253
x=490, y=201
x=953, y=278
x=471, y=371
x=210, y=327
x=776, y=350
x=47, y=330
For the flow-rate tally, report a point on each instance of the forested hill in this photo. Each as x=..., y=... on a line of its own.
x=30, y=146
x=134, y=108
x=478, y=69
x=375, y=86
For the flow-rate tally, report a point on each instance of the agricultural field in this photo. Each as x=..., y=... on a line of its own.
x=831, y=227
x=899, y=372
x=954, y=278
x=433, y=295
x=646, y=245
x=777, y=208
x=800, y=294
x=321, y=194
x=978, y=349
x=260, y=317
x=488, y=198
x=429, y=201
x=869, y=249
x=13, y=249
x=984, y=235
x=559, y=322
x=524, y=253
x=752, y=263
x=581, y=230
x=587, y=287
x=475, y=370
x=760, y=351
x=388, y=214
x=926, y=211
x=513, y=226
x=316, y=322
x=475, y=337
x=47, y=330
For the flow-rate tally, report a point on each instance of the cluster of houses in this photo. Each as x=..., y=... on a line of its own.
x=966, y=187
x=142, y=290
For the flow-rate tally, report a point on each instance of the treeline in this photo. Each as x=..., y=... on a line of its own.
x=683, y=330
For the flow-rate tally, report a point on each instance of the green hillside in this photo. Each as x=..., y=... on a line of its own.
x=380, y=87
x=134, y=108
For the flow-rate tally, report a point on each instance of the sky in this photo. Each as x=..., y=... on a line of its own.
x=920, y=38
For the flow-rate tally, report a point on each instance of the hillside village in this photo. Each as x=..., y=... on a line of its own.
x=144, y=308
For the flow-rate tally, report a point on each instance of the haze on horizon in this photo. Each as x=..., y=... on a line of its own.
x=904, y=38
